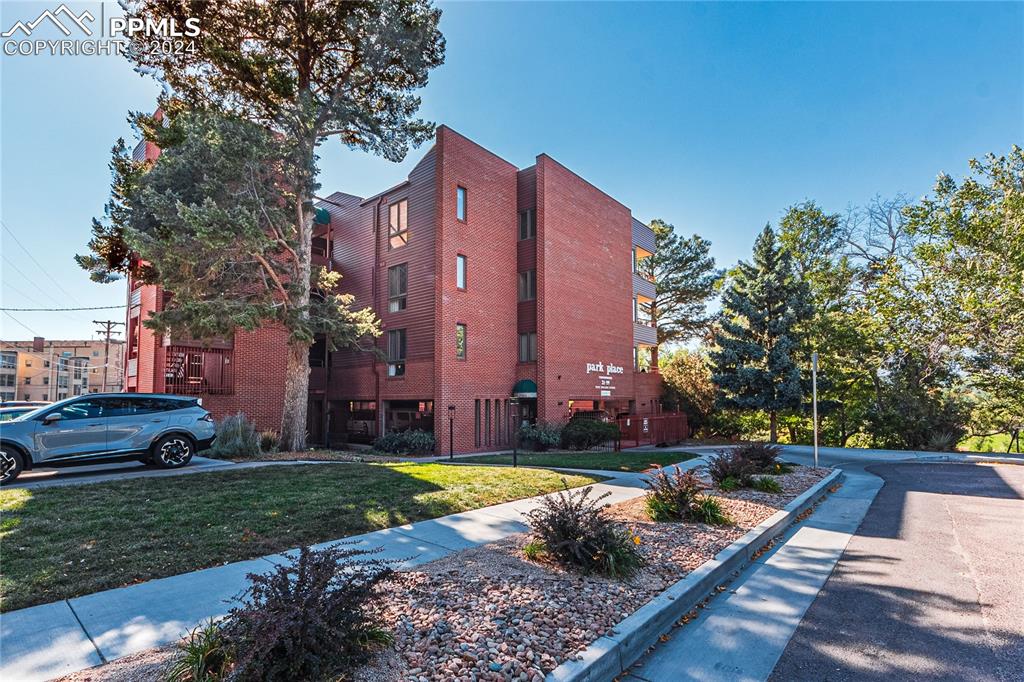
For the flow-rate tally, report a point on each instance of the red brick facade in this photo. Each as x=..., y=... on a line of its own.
x=582, y=313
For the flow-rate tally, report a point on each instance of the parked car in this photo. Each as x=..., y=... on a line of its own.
x=23, y=403
x=165, y=430
x=9, y=413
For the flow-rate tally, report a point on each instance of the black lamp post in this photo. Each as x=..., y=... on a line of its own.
x=514, y=402
x=451, y=432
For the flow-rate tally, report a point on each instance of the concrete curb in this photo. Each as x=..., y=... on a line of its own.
x=612, y=654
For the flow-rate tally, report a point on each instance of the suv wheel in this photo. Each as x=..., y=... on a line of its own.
x=173, y=451
x=11, y=464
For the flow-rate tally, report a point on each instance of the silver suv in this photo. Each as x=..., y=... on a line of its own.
x=165, y=430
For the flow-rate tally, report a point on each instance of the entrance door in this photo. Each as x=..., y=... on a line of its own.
x=527, y=411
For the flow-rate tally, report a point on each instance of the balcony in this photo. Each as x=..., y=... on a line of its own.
x=195, y=371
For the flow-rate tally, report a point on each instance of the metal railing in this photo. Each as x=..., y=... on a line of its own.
x=199, y=370
x=652, y=430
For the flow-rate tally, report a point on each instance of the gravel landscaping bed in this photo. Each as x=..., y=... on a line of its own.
x=487, y=613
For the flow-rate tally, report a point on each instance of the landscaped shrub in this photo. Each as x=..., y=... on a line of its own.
x=731, y=464
x=311, y=618
x=269, y=441
x=540, y=436
x=679, y=497
x=763, y=456
x=412, y=442
x=709, y=511
x=582, y=434
x=766, y=484
x=204, y=656
x=236, y=437
x=576, y=533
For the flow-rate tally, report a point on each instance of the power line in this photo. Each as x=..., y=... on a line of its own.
x=57, y=310
x=20, y=322
x=38, y=264
x=25, y=296
x=28, y=279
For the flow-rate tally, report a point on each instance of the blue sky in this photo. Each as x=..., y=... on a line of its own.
x=714, y=117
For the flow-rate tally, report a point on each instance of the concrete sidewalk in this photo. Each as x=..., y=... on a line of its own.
x=50, y=640
x=742, y=633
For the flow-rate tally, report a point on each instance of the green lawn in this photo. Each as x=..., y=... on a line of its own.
x=68, y=541
x=996, y=444
x=608, y=461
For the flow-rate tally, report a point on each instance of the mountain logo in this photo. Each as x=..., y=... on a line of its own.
x=76, y=20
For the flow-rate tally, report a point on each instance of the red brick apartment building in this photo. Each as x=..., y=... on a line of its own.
x=492, y=282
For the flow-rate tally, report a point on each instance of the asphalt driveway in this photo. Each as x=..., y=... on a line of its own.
x=45, y=477
x=930, y=588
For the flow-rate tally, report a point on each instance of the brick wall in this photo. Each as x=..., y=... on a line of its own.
x=488, y=304
x=584, y=290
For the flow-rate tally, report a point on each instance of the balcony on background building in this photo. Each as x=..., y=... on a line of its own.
x=194, y=371
x=319, y=254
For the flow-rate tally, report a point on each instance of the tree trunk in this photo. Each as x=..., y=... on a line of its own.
x=296, y=397
x=296, y=380
x=773, y=419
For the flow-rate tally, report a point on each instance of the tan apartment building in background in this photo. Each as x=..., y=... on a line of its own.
x=50, y=370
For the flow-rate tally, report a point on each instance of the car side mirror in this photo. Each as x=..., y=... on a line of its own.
x=52, y=418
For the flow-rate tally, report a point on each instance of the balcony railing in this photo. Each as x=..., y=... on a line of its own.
x=194, y=371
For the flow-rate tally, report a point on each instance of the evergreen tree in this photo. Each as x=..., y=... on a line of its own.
x=684, y=276
x=763, y=310
x=306, y=71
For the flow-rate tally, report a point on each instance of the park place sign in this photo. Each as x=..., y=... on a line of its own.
x=605, y=374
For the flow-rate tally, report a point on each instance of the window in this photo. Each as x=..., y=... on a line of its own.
x=476, y=422
x=528, y=347
x=460, y=341
x=7, y=379
x=28, y=381
x=528, y=285
x=642, y=311
x=460, y=271
x=460, y=203
x=487, y=422
x=28, y=362
x=396, y=353
x=398, y=286
x=319, y=356
x=46, y=380
x=498, y=439
x=95, y=353
x=81, y=409
x=398, y=224
x=46, y=363
x=527, y=224
x=8, y=361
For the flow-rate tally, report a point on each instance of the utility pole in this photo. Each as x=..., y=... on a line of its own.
x=107, y=328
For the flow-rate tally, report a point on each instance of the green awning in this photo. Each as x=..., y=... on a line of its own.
x=322, y=217
x=525, y=388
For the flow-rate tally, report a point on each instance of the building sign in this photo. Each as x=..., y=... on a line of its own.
x=605, y=372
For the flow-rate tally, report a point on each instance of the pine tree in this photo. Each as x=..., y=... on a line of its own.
x=763, y=310
x=307, y=71
x=684, y=276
